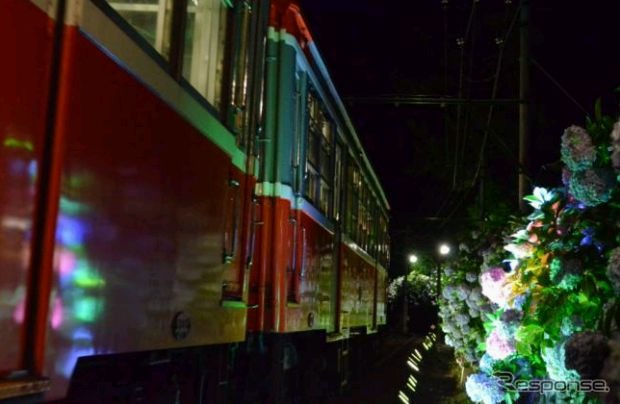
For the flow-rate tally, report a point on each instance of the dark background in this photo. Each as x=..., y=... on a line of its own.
x=429, y=157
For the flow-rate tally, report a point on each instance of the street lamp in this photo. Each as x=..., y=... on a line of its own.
x=413, y=259
x=444, y=249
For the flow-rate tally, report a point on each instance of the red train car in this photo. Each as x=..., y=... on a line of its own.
x=183, y=201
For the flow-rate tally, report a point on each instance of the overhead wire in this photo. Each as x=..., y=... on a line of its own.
x=444, y=6
x=462, y=42
x=468, y=110
x=558, y=85
x=494, y=90
x=500, y=57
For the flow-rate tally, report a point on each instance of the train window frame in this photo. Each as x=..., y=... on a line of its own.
x=363, y=216
x=297, y=150
x=130, y=31
x=339, y=174
x=172, y=60
x=163, y=22
x=243, y=26
x=211, y=39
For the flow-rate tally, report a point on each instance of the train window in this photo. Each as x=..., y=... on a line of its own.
x=313, y=146
x=326, y=166
x=150, y=18
x=324, y=196
x=384, y=248
x=205, y=46
x=363, y=218
x=312, y=179
x=319, y=168
x=383, y=241
x=371, y=227
x=353, y=188
x=326, y=148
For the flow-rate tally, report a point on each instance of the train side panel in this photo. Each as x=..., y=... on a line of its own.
x=148, y=209
x=357, y=288
x=26, y=39
x=311, y=302
x=297, y=241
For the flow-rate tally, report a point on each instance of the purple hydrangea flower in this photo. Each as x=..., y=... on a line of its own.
x=494, y=287
x=498, y=346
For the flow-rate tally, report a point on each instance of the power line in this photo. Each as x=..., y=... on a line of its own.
x=498, y=69
x=501, y=44
x=558, y=85
x=462, y=43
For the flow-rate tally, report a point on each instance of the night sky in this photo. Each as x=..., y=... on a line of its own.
x=428, y=157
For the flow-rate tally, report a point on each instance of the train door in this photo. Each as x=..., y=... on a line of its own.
x=298, y=239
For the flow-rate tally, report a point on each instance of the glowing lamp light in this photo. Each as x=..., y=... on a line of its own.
x=444, y=249
x=413, y=258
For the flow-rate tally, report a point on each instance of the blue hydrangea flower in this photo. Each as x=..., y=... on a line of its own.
x=519, y=301
x=589, y=240
x=486, y=363
x=471, y=277
x=482, y=388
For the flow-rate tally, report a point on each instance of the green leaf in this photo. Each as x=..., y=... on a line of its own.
x=536, y=215
x=528, y=337
x=532, y=198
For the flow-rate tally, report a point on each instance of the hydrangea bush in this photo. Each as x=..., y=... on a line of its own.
x=462, y=304
x=553, y=295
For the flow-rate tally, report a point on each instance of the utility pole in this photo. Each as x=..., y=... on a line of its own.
x=405, y=307
x=524, y=90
